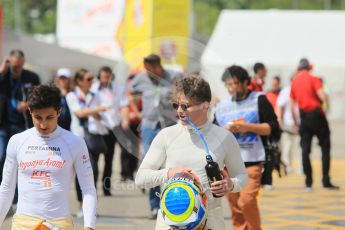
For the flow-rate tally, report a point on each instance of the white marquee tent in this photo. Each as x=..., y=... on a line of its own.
x=279, y=39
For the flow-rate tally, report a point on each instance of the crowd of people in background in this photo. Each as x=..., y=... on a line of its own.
x=107, y=114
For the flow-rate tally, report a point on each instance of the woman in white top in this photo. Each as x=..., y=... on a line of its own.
x=44, y=160
x=179, y=148
x=79, y=101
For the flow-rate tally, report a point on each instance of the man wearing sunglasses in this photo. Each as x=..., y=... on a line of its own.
x=179, y=148
x=155, y=86
x=15, y=83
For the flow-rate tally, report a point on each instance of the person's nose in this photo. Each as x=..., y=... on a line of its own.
x=43, y=124
x=179, y=109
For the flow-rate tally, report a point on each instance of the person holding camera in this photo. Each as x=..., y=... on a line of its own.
x=15, y=83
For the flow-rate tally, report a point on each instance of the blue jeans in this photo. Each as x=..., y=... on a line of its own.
x=3, y=145
x=147, y=136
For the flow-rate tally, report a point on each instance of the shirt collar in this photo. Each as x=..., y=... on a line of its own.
x=50, y=136
x=109, y=86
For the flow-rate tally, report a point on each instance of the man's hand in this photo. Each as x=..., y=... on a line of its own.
x=87, y=228
x=221, y=187
x=237, y=127
x=22, y=106
x=5, y=65
x=125, y=124
x=103, y=108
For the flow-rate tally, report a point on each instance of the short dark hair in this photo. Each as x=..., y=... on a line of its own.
x=152, y=59
x=44, y=96
x=304, y=64
x=236, y=71
x=277, y=78
x=17, y=53
x=194, y=87
x=105, y=69
x=258, y=66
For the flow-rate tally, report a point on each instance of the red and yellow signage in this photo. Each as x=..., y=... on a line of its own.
x=156, y=26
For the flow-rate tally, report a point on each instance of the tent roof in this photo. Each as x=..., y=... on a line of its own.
x=277, y=37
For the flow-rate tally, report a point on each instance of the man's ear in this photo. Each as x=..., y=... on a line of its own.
x=247, y=82
x=59, y=110
x=206, y=105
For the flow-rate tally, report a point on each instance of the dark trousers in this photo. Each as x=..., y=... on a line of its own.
x=266, y=178
x=110, y=141
x=108, y=165
x=315, y=123
x=130, y=154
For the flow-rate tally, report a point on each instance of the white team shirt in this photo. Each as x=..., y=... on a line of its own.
x=114, y=96
x=45, y=167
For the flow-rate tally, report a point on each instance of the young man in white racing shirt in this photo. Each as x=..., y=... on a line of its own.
x=43, y=160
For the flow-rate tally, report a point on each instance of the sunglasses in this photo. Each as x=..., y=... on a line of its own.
x=89, y=79
x=184, y=107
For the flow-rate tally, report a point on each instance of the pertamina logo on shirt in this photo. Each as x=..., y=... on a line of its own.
x=52, y=150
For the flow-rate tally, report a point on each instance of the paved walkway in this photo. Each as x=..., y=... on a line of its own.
x=286, y=207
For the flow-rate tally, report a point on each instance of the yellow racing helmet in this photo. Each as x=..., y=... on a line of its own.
x=183, y=202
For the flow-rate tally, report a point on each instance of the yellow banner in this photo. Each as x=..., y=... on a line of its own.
x=156, y=26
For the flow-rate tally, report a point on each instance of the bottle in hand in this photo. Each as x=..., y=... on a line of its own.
x=212, y=171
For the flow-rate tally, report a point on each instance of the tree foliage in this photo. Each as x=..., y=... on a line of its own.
x=30, y=16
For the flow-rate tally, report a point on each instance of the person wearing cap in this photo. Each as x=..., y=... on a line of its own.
x=63, y=83
x=307, y=92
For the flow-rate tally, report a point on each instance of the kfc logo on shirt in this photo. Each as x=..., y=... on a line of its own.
x=38, y=174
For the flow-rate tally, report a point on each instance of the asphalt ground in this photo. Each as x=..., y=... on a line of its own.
x=287, y=206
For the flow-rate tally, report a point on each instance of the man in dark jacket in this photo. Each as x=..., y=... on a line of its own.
x=15, y=82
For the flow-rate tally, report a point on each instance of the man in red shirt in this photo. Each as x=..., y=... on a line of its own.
x=258, y=79
x=307, y=92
